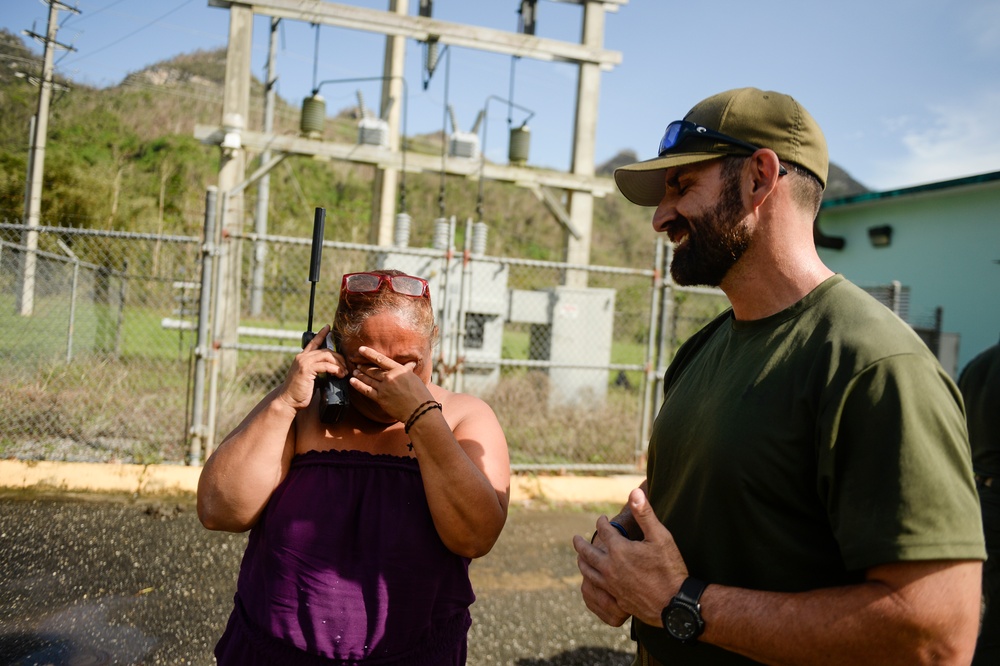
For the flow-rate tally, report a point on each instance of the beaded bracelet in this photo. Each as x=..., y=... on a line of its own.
x=421, y=409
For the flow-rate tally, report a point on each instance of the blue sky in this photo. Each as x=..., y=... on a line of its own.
x=906, y=92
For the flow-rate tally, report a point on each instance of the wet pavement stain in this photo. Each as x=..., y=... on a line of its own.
x=79, y=635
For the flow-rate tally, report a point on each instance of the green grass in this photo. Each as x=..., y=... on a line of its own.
x=96, y=328
x=516, y=345
x=125, y=393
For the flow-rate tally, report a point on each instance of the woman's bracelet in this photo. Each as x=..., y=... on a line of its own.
x=421, y=409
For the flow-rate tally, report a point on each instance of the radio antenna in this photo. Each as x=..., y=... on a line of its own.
x=319, y=221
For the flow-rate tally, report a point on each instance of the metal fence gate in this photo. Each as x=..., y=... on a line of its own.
x=108, y=367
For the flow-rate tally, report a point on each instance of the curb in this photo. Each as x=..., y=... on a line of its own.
x=114, y=478
x=172, y=480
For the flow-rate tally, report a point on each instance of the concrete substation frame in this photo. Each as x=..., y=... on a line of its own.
x=235, y=139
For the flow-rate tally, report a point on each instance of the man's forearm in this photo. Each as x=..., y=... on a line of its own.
x=925, y=612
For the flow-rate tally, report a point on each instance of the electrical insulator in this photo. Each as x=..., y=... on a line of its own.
x=313, y=115
x=479, y=233
x=442, y=233
x=528, y=12
x=401, y=234
x=520, y=143
x=433, y=52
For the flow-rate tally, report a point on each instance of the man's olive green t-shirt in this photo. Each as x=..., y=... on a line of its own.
x=794, y=452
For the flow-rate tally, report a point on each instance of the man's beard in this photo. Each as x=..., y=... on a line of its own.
x=715, y=241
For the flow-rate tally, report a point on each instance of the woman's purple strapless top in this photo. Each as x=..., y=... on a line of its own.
x=345, y=566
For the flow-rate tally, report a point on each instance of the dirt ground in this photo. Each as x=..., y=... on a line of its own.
x=99, y=579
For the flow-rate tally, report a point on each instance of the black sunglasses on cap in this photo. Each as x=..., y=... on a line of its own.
x=680, y=130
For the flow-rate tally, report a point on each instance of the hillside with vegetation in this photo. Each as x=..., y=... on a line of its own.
x=125, y=158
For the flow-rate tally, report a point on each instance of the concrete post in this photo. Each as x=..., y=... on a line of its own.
x=36, y=162
x=235, y=109
x=264, y=186
x=386, y=181
x=581, y=204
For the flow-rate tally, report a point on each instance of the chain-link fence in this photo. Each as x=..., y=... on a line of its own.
x=88, y=371
x=106, y=365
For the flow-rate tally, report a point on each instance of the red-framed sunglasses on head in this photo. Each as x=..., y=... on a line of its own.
x=366, y=283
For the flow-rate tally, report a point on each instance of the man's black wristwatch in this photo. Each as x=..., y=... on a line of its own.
x=682, y=616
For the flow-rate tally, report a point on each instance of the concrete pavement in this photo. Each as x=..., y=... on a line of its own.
x=108, y=564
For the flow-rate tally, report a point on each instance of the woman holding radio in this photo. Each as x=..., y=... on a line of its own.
x=361, y=531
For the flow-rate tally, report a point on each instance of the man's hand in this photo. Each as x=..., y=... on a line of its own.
x=622, y=577
x=596, y=596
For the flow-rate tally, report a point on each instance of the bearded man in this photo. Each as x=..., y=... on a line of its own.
x=809, y=496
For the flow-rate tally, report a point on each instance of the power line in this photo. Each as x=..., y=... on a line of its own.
x=28, y=61
x=91, y=14
x=133, y=33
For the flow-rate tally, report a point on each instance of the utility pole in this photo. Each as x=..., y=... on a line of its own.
x=264, y=186
x=386, y=182
x=581, y=203
x=36, y=156
x=232, y=170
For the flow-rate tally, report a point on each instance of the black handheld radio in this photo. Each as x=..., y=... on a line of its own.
x=332, y=390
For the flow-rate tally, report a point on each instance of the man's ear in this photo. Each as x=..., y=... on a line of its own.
x=764, y=169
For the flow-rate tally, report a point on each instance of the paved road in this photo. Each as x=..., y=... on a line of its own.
x=97, y=580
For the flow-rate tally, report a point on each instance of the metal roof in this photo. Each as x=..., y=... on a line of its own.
x=910, y=191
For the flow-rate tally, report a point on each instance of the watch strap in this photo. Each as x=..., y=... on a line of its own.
x=691, y=590
x=682, y=616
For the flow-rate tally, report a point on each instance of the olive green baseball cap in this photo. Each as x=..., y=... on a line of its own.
x=754, y=118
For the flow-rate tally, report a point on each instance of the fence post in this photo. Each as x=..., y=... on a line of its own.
x=464, y=288
x=897, y=298
x=72, y=310
x=121, y=310
x=668, y=322
x=72, y=297
x=201, y=350
x=446, y=354
x=220, y=296
x=649, y=377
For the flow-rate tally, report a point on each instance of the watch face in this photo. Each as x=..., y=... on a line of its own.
x=681, y=622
